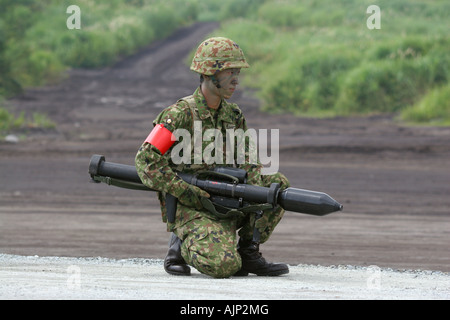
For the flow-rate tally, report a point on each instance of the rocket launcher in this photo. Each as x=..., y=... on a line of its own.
x=227, y=187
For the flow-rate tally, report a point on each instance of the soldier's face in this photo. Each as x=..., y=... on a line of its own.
x=228, y=80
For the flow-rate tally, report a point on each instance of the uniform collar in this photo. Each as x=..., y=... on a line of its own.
x=225, y=112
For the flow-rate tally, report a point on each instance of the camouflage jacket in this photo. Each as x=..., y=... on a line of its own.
x=193, y=115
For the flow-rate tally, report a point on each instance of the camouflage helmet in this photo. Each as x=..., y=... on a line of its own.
x=217, y=54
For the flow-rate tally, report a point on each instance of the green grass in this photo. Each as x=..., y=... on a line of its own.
x=318, y=58
x=307, y=57
x=38, y=46
x=433, y=108
x=11, y=123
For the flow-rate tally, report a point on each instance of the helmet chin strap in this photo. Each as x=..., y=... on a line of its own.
x=215, y=82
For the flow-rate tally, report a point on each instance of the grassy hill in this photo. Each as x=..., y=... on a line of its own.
x=308, y=58
x=319, y=57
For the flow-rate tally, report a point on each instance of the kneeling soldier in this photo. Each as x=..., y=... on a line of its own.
x=200, y=237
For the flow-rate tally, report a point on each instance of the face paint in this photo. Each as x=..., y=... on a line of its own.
x=228, y=80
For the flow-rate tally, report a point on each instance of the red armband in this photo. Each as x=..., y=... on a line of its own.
x=161, y=138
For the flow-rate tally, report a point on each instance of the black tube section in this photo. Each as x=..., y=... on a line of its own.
x=291, y=199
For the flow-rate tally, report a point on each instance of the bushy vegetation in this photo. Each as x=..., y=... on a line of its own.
x=433, y=108
x=308, y=57
x=36, y=45
x=10, y=122
x=319, y=58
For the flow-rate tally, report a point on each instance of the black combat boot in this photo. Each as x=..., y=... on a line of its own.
x=253, y=261
x=174, y=262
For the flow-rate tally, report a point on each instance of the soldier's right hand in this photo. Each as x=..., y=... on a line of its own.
x=191, y=197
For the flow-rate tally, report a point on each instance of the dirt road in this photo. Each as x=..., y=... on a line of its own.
x=393, y=180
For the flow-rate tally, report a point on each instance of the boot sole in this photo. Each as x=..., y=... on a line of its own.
x=244, y=273
x=178, y=273
x=274, y=273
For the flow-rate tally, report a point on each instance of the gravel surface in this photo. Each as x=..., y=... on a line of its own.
x=34, y=277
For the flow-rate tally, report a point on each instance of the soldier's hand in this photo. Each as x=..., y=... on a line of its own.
x=190, y=197
x=277, y=177
x=187, y=194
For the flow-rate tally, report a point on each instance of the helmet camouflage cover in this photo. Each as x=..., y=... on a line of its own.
x=217, y=54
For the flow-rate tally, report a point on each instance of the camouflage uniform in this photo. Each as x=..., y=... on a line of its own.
x=209, y=243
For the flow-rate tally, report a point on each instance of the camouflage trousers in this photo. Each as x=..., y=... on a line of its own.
x=210, y=245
